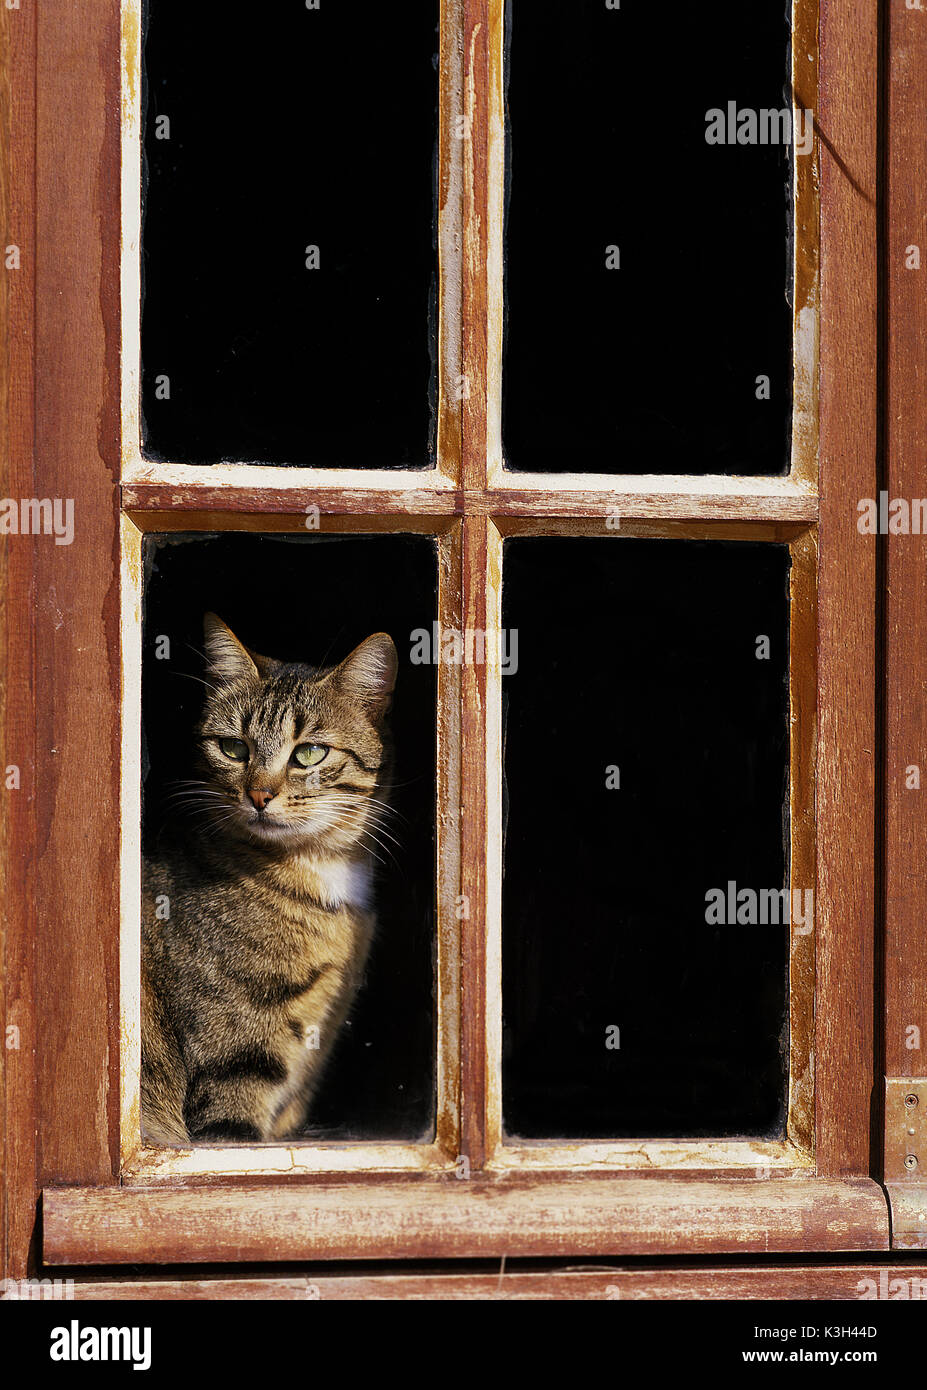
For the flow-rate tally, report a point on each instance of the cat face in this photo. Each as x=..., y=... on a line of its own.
x=292, y=757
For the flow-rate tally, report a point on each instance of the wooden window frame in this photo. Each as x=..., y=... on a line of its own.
x=903, y=595
x=70, y=636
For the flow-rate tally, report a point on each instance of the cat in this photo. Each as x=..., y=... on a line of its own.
x=256, y=927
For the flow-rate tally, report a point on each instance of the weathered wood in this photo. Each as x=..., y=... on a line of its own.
x=186, y=505
x=904, y=1160
x=429, y=520
x=908, y=1203
x=802, y=837
x=806, y=271
x=844, y=931
x=474, y=884
x=449, y=767
x=77, y=589
x=18, y=1026
x=271, y=1163
x=477, y=173
x=715, y=1158
x=838, y=1282
x=906, y=564
x=653, y=497
x=478, y=1218
x=451, y=395
x=667, y=528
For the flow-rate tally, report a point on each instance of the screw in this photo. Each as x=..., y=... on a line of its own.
x=910, y=1162
x=910, y=1100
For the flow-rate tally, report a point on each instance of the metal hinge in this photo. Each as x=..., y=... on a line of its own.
x=906, y=1160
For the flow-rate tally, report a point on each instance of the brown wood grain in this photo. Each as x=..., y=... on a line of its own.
x=344, y=521
x=802, y=834
x=667, y=528
x=450, y=762
x=450, y=239
x=449, y=1218
x=906, y=564
x=473, y=825
x=908, y=1202
x=476, y=175
x=226, y=502
x=18, y=1186
x=837, y=1282
x=78, y=678
x=844, y=1040
x=905, y=614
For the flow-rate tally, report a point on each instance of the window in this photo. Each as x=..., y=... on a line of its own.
x=334, y=296
x=646, y=737
x=660, y=367
x=316, y=598
x=638, y=515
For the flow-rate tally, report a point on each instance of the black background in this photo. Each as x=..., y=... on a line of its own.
x=208, y=1339
x=313, y=599
x=651, y=368
x=290, y=127
x=640, y=654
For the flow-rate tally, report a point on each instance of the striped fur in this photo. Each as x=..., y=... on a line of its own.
x=256, y=927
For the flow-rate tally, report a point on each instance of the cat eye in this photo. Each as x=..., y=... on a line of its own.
x=310, y=754
x=235, y=748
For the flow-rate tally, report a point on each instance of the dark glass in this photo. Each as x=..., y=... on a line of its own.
x=313, y=599
x=290, y=128
x=652, y=367
x=641, y=655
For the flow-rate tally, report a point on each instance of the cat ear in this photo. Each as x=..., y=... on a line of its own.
x=369, y=674
x=226, y=658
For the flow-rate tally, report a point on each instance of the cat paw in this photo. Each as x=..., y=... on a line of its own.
x=225, y=1132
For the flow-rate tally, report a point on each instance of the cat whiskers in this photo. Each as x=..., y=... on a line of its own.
x=386, y=808
x=334, y=807
x=197, y=800
x=197, y=785
x=204, y=800
x=222, y=822
x=374, y=831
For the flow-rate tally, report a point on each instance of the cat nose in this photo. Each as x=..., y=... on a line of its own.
x=261, y=797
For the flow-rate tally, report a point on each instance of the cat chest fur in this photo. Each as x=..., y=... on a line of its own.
x=327, y=972
x=315, y=944
x=264, y=971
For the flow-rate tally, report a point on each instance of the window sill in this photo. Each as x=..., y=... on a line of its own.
x=483, y=1217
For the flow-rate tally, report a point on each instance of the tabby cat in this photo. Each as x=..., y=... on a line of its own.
x=256, y=927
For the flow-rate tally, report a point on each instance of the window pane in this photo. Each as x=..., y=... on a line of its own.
x=310, y=600
x=647, y=270
x=646, y=764
x=289, y=253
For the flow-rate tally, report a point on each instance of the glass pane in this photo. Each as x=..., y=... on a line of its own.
x=646, y=769
x=349, y=830
x=289, y=212
x=648, y=270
